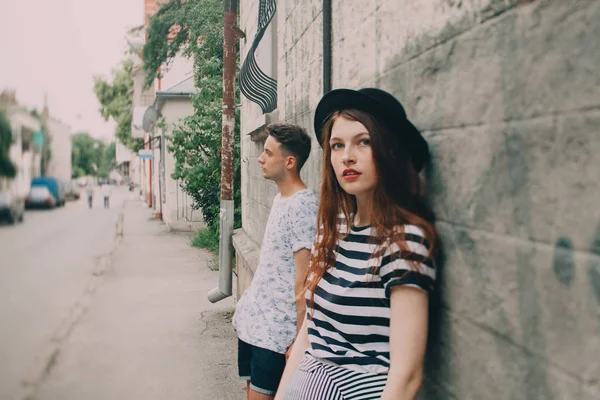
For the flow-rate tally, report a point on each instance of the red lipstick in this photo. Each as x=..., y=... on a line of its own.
x=350, y=174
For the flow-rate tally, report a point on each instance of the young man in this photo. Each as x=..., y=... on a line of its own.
x=90, y=194
x=106, y=189
x=269, y=314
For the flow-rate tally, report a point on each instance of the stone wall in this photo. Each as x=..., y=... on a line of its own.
x=507, y=94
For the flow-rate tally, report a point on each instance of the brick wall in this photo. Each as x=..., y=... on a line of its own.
x=507, y=94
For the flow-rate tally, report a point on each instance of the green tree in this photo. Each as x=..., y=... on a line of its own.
x=105, y=156
x=116, y=102
x=83, y=156
x=91, y=157
x=7, y=168
x=195, y=28
x=47, y=146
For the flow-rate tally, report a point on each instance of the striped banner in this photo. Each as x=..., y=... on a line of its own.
x=257, y=86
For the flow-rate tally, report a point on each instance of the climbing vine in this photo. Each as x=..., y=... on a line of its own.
x=194, y=28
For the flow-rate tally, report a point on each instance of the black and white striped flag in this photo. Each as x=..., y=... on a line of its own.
x=255, y=84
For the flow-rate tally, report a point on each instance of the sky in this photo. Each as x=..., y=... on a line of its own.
x=55, y=47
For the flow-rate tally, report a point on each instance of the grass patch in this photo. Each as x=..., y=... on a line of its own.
x=208, y=239
x=228, y=314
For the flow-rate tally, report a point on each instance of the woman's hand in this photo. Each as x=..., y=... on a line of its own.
x=295, y=357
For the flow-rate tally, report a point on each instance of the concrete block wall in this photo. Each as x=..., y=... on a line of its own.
x=507, y=93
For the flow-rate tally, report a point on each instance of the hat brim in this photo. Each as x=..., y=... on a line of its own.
x=346, y=99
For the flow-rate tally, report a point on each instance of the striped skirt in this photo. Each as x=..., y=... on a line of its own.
x=317, y=380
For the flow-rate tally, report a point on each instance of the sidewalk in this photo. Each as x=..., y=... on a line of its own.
x=149, y=332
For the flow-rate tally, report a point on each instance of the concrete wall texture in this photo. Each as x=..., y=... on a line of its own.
x=507, y=94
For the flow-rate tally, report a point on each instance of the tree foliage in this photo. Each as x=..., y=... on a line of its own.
x=7, y=168
x=116, y=102
x=47, y=146
x=195, y=28
x=91, y=157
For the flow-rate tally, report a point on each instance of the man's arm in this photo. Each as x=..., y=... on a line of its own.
x=301, y=259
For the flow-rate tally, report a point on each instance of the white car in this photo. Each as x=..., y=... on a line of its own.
x=11, y=207
x=40, y=196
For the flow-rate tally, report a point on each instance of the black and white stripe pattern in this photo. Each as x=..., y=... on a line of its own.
x=351, y=318
x=317, y=380
x=257, y=86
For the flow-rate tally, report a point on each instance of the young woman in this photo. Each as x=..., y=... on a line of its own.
x=372, y=264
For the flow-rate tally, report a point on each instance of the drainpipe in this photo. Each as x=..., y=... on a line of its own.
x=150, y=162
x=224, y=289
x=161, y=167
x=326, y=46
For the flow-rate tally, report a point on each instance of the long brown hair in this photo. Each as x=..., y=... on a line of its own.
x=397, y=199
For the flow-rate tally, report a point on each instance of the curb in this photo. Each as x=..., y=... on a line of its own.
x=119, y=229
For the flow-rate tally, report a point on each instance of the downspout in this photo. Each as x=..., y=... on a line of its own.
x=326, y=46
x=224, y=289
x=151, y=176
x=160, y=172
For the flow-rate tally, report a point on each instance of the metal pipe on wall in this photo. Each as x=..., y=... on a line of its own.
x=224, y=289
x=326, y=46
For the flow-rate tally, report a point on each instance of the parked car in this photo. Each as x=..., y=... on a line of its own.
x=11, y=207
x=55, y=186
x=40, y=197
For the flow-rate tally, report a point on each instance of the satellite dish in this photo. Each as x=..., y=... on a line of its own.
x=149, y=119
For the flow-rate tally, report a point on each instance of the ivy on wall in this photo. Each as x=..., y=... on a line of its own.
x=194, y=28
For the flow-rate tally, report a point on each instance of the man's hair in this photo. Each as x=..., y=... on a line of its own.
x=293, y=140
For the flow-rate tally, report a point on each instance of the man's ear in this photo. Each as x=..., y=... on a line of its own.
x=290, y=162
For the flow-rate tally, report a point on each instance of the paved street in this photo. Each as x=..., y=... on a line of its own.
x=88, y=314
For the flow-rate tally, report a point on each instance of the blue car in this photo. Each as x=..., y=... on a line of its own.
x=55, y=186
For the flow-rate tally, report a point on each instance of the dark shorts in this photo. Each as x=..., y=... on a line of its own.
x=262, y=367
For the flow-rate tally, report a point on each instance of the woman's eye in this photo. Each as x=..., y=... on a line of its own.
x=365, y=142
x=336, y=146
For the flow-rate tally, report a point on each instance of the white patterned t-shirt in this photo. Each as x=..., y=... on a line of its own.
x=265, y=315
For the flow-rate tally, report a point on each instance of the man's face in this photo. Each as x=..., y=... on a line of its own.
x=272, y=160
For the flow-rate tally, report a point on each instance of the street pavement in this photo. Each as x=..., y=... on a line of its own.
x=107, y=304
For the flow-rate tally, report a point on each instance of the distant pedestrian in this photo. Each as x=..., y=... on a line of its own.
x=90, y=195
x=106, y=191
x=269, y=314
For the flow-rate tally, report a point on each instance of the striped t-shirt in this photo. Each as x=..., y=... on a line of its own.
x=350, y=323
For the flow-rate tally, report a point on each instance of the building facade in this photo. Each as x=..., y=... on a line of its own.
x=176, y=207
x=507, y=94
x=24, y=153
x=168, y=98
x=60, y=163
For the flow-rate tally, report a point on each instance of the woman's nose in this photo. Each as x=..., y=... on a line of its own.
x=348, y=156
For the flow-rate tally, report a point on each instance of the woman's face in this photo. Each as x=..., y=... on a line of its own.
x=352, y=157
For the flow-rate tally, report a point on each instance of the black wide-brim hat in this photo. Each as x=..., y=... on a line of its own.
x=380, y=104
